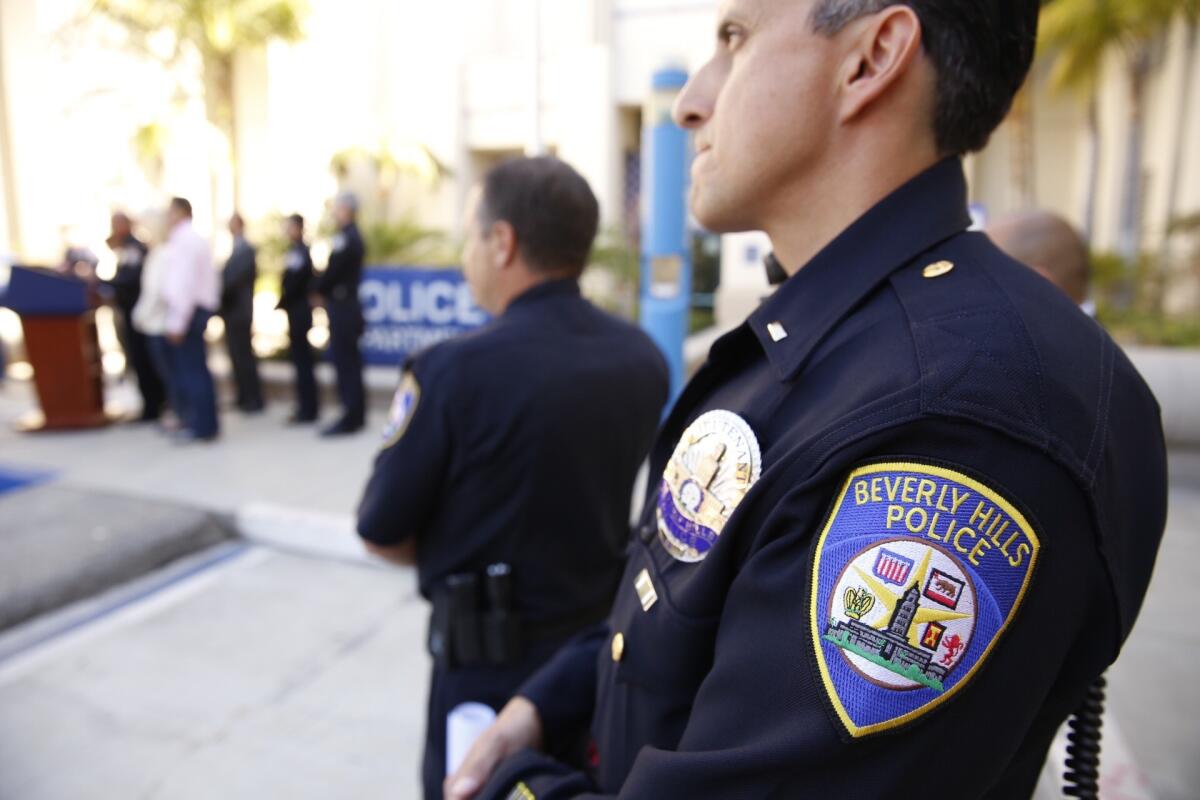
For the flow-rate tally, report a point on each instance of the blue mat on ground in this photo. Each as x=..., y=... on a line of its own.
x=14, y=479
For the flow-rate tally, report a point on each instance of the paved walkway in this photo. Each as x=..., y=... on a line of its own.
x=255, y=671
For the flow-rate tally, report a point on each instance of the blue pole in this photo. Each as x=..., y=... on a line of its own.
x=666, y=279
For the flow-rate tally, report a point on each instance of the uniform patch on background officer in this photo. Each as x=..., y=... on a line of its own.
x=404, y=405
x=917, y=573
x=715, y=463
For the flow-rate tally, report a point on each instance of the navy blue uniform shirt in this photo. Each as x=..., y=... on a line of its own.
x=519, y=443
x=899, y=520
x=339, y=282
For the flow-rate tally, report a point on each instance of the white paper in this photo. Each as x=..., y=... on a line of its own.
x=464, y=724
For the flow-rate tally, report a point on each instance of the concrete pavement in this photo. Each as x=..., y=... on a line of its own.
x=260, y=672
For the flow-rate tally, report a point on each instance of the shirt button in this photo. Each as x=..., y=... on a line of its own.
x=618, y=647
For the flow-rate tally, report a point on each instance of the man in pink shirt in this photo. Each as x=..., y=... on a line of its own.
x=191, y=291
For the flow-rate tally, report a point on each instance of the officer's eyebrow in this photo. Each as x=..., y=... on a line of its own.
x=733, y=17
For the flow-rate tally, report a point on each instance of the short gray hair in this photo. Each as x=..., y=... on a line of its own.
x=348, y=200
x=980, y=49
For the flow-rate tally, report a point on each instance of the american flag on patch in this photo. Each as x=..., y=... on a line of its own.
x=892, y=567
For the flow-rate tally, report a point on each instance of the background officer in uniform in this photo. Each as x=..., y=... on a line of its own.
x=337, y=289
x=293, y=298
x=127, y=287
x=904, y=514
x=508, y=466
x=237, y=310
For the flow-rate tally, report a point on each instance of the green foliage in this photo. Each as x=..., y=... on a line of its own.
x=1129, y=302
x=1076, y=35
x=406, y=243
x=215, y=28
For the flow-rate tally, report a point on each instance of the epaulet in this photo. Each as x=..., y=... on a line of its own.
x=977, y=359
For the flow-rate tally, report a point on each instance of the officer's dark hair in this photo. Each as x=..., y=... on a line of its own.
x=182, y=206
x=981, y=50
x=549, y=205
x=296, y=220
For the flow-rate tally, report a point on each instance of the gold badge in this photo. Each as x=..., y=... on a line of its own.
x=714, y=465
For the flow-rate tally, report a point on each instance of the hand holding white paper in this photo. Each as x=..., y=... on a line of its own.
x=464, y=724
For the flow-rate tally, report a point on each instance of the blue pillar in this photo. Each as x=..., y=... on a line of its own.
x=666, y=257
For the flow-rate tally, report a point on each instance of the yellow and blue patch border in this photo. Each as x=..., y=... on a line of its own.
x=944, y=472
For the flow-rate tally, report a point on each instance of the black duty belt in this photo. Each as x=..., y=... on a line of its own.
x=474, y=622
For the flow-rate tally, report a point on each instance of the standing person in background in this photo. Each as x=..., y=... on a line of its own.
x=337, y=289
x=190, y=289
x=1054, y=249
x=237, y=309
x=149, y=316
x=293, y=298
x=126, y=286
x=508, y=465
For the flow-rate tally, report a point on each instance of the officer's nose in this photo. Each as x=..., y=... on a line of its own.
x=693, y=106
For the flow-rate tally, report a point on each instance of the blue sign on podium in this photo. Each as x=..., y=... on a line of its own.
x=410, y=308
x=41, y=292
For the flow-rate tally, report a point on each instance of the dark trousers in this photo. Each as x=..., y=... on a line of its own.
x=345, y=329
x=244, y=362
x=492, y=686
x=301, y=354
x=137, y=353
x=187, y=372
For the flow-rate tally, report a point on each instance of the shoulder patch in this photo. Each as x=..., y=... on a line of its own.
x=918, y=572
x=404, y=405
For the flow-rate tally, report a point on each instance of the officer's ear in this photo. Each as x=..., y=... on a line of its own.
x=502, y=244
x=881, y=55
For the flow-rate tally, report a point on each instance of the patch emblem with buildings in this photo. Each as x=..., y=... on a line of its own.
x=918, y=572
x=404, y=405
x=714, y=465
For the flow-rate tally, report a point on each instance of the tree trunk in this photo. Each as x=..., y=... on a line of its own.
x=1181, y=124
x=1023, y=163
x=1129, y=239
x=1093, y=167
x=218, y=106
x=12, y=217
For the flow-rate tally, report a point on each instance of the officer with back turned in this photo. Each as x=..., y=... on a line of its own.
x=508, y=463
x=337, y=289
x=906, y=513
x=293, y=299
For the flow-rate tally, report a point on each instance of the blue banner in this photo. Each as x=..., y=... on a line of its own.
x=410, y=308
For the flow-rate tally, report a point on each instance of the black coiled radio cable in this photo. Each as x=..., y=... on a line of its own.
x=1082, y=778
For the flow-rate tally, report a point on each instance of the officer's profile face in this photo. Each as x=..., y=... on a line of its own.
x=762, y=110
x=292, y=231
x=476, y=256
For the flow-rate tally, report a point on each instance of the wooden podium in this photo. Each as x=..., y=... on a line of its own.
x=62, y=346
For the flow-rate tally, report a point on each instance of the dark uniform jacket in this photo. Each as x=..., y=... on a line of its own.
x=297, y=277
x=907, y=512
x=519, y=443
x=237, y=282
x=339, y=282
x=127, y=282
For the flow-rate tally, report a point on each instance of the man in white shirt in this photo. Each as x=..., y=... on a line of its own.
x=191, y=291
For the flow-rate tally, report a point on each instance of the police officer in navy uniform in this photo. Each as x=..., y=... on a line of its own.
x=293, y=299
x=238, y=278
x=337, y=289
x=906, y=512
x=126, y=286
x=507, y=469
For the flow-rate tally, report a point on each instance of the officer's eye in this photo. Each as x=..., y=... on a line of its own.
x=730, y=35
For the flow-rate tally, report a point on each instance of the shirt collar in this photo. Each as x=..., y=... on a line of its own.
x=557, y=287
x=923, y=212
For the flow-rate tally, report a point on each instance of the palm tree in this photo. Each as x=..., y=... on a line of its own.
x=1077, y=35
x=214, y=30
